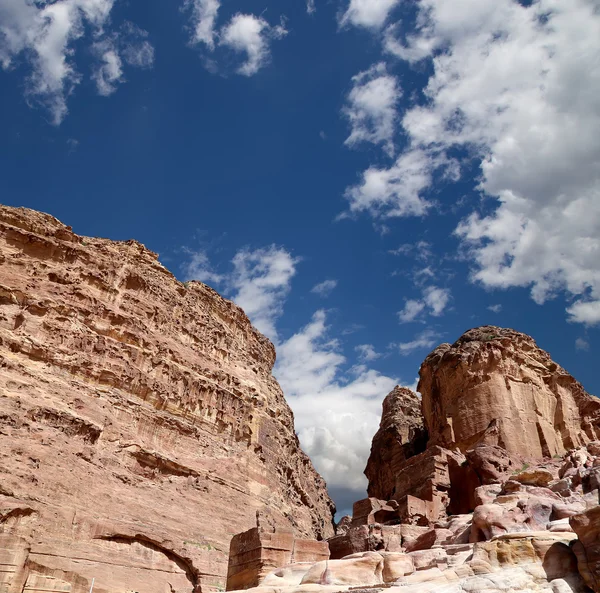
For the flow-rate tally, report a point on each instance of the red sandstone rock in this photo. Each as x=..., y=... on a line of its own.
x=587, y=527
x=140, y=424
x=401, y=435
x=495, y=386
x=255, y=553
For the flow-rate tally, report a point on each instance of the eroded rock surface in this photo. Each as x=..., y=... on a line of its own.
x=140, y=425
x=495, y=386
x=401, y=435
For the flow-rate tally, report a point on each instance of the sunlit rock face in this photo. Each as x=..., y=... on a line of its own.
x=495, y=386
x=140, y=424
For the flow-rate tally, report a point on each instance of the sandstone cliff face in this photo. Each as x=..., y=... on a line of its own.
x=401, y=435
x=140, y=425
x=495, y=386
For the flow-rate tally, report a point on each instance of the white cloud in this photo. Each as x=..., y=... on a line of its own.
x=198, y=267
x=425, y=339
x=434, y=300
x=397, y=190
x=337, y=410
x=136, y=49
x=310, y=6
x=367, y=352
x=110, y=71
x=421, y=250
x=371, y=108
x=412, y=309
x=259, y=283
x=582, y=344
x=586, y=311
x=252, y=35
x=516, y=86
x=370, y=14
x=495, y=308
x=43, y=33
x=324, y=288
x=204, y=17
x=336, y=420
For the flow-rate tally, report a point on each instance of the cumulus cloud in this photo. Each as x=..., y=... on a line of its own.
x=259, y=283
x=324, y=288
x=434, y=300
x=309, y=369
x=582, y=344
x=513, y=85
x=251, y=35
x=495, y=308
x=198, y=267
x=310, y=6
x=425, y=339
x=370, y=14
x=110, y=70
x=396, y=190
x=371, y=108
x=44, y=34
x=204, y=17
x=367, y=352
x=337, y=405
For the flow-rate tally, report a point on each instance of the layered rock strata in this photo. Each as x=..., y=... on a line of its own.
x=495, y=386
x=491, y=402
x=401, y=435
x=140, y=424
x=257, y=552
x=522, y=536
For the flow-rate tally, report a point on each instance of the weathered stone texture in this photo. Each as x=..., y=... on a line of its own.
x=587, y=527
x=255, y=553
x=401, y=435
x=140, y=424
x=495, y=386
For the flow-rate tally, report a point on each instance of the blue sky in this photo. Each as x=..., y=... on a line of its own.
x=367, y=178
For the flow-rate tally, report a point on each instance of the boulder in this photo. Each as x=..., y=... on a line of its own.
x=587, y=527
x=364, y=569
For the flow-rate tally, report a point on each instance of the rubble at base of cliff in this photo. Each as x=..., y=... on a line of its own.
x=488, y=483
x=146, y=446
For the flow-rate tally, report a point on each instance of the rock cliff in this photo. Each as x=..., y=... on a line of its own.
x=401, y=435
x=140, y=424
x=495, y=386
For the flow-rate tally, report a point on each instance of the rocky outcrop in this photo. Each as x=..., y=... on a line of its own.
x=140, y=424
x=532, y=531
x=257, y=552
x=495, y=386
x=587, y=527
x=401, y=435
x=491, y=403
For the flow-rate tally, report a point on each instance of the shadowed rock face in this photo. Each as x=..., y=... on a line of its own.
x=140, y=425
x=401, y=435
x=495, y=386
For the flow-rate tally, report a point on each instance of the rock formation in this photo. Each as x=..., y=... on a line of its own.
x=491, y=402
x=140, y=424
x=401, y=435
x=492, y=487
x=495, y=386
x=255, y=553
x=535, y=530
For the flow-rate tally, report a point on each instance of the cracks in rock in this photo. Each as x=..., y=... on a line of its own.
x=185, y=564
